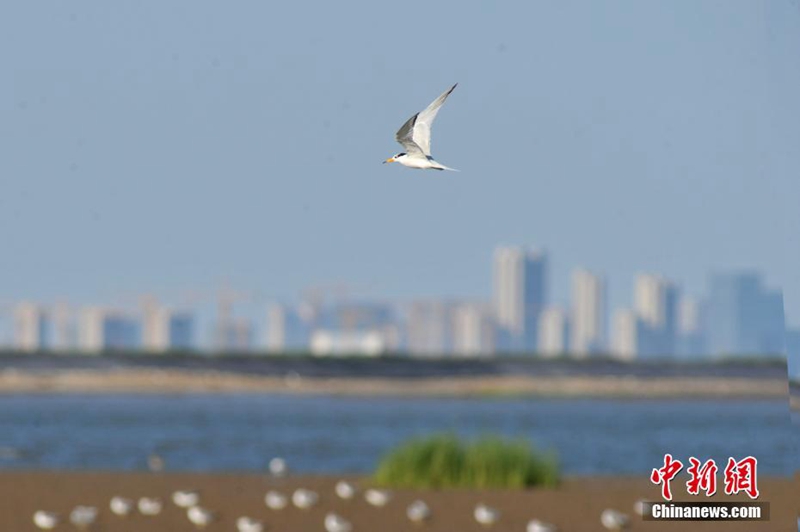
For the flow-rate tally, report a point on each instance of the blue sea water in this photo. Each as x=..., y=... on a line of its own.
x=338, y=435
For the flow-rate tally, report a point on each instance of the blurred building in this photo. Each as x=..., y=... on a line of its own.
x=554, y=332
x=107, y=330
x=233, y=335
x=744, y=318
x=520, y=296
x=429, y=328
x=656, y=304
x=326, y=342
x=589, y=310
x=31, y=327
x=690, y=342
x=288, y=329
x=473, y=330
x=793, y=352
x=627, y=334
x=164, y=329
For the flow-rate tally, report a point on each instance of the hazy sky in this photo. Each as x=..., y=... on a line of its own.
x=165, y=146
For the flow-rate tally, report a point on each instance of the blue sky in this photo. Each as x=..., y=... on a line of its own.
x=165, y=147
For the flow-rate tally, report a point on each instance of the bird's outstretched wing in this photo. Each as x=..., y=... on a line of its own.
x=415, y=135
x=405, y=136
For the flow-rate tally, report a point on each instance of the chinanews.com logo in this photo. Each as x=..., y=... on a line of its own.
x=739, y=476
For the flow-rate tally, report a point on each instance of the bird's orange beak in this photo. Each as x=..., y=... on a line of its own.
x=389, y=160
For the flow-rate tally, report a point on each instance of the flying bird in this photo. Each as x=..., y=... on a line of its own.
x=415, y=137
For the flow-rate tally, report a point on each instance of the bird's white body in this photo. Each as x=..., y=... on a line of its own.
x=83, y=516
x=345, y=490
x=377, y=497
x=614, y=519
x=337, y=523
x=199, y=517
x=248, y=524
x=275, y=500
x=486, y=515
x=150, y=506
x=415, y=137
x=186, y=498
x=304, y=499
x=418, y=511
x=45, y=520
x=120, y=506
x=539, y=526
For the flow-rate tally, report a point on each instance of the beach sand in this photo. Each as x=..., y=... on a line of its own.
x=148, y=380
x=574, y=506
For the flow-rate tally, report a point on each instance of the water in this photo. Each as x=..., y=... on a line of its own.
x=336, y=435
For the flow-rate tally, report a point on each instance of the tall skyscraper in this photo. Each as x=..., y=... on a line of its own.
x=627, y=334
x=690, y=341
x=554, y=332
x=31, y=327
x=164, y=329
x=520, y=295
x=102, y=330
x=656, y=304
x=473, y=330
x=429, y=328
x=589, y=309
x=744, y=318
x=287, y=329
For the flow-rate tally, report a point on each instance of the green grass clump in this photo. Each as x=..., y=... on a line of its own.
x=444, y=461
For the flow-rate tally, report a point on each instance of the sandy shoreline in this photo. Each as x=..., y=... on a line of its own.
x=573, y=506
x=148, y=380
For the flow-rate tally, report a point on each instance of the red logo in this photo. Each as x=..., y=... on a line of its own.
x=741, y=476
x=665, y=474
x=702, y=477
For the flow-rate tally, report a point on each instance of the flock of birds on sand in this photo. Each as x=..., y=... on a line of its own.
x=83, y=517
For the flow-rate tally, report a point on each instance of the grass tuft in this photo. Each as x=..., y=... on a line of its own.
x=444, y=461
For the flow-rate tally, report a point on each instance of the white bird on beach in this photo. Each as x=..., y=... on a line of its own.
x=534, y=525
x=415, y=137
x=199, y=517
x=418, y=511
x=614, y=519
x=186, y=498
x=337, y=523
x=304, y=499
x=120, y=506
x=278, y=467
x=486, y=515
x=150, y=506
x=248, y=524
x=275, y=500
x=345, y=490
x=45, y=520
x=377, y=497
x=83, y=516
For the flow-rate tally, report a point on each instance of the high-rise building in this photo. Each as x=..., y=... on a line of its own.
x=473, y=330
x=627, y=334
x=287, y=329
x=429, y=328
x=164, y=329
x=744, y=318
x=554, y=332
x=31, y=327
x=103, y=330
x=689, y=342
x=520, y=296
x=589, y=309
x=656, y=304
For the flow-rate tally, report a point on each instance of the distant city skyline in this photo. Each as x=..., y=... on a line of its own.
x=739, y=314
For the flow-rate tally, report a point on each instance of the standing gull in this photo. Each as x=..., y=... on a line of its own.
x=415, y=137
